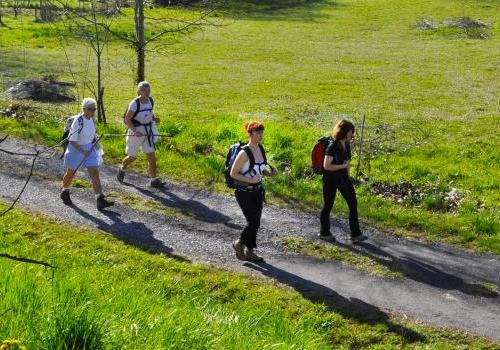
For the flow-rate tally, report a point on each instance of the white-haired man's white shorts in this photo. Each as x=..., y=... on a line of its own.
x=136, y=144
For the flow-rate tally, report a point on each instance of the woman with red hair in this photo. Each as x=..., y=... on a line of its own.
x=336, y=167
x=250, y=192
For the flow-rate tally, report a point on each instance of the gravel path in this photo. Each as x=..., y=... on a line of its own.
x=443, y=286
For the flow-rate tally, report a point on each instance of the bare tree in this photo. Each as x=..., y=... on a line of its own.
x=97, y=38
x=1, y=14
x=144, y=40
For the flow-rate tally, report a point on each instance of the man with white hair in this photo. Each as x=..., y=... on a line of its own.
x=81, y=151
x=142, y=133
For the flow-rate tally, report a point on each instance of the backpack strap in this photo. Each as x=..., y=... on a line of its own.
x=263, y=153
x=80, y=123
x=251, y=159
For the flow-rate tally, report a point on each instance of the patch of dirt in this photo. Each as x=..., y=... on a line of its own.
x=435, y=198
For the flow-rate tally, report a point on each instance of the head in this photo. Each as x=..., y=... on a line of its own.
x=255, y=131
x=343, y=130
x=89, y=106
x=144, y=89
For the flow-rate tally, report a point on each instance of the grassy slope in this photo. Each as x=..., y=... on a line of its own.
x=117, y=296
x=298, y=68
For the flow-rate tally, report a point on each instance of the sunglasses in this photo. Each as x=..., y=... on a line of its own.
x=91, y=109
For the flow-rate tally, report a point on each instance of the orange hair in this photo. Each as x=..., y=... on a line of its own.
x=253, y=126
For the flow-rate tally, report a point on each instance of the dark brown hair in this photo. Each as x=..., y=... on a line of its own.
x=341, y=129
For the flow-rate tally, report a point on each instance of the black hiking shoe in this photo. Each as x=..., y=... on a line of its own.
x=65, y=197
x=103, y=203
x=328, y=237
x=358, y=238
x=251, y=256
x=157, y=183
x=120, y=175
x=239, y=249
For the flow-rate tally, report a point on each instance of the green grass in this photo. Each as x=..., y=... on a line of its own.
x=332, y=252
x=105, y=294
x=298, y=66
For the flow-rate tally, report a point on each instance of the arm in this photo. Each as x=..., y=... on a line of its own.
x=130, y=125
x=327, y=164
x=240, y=160
x=272, y=173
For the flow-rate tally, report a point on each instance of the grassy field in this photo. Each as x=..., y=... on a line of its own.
x=298, y=66
x=105, y=294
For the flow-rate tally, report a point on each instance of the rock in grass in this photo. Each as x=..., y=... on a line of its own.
x=426, y=23
x=39, y=90
x=466, y=23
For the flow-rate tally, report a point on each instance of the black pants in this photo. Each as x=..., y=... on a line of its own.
x=331, y=184
x=251, y=204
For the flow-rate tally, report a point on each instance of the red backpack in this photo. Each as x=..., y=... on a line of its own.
x=318, y=154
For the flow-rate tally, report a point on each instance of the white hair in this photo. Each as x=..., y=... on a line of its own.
x=89, y=103
x=142, y=86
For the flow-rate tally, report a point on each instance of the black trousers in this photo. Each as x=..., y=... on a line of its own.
x=332, y=183
x=251, y=203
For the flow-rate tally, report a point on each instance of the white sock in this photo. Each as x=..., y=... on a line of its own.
x=97, y=195
x=65, y=189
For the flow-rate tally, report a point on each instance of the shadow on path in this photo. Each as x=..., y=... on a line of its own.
x=419, y=271
x=351, y=308
x=189, y=207
x=133, y=233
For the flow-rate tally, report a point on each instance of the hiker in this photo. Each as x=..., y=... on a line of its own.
x=142, y=133
x=249, y=191
x=83, y=150
x=336, y=171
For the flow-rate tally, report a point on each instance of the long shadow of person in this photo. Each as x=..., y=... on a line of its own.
x=188, y=207
x=351, y=308
x=133, y=233
x=419, y=271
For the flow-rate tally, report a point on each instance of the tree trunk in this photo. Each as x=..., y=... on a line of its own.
x=100, y=106
x=140, y=41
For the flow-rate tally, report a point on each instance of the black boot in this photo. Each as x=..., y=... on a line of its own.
x=65, y=197
x=103, y=203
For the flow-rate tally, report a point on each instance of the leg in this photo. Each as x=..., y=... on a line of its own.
x=151, y=164
x=96, y=181
x=346, y=188
x=101, y=202
x=249, y=207
x=329, y=192
x=127, y=161
x=67, y=178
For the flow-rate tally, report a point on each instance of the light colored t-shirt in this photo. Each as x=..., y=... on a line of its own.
x=145, y=115
x=87, y=133
x=258, y=172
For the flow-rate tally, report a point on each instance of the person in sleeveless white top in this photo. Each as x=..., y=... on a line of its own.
x=142, y=134
x=251, y=198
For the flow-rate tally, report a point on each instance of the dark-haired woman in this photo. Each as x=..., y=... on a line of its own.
x=336, y=177
x=250, y=192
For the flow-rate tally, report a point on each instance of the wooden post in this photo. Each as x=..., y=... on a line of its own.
x=360, y=148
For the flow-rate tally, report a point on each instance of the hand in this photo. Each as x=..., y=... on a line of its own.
x=138, y=133
x=347, y=164
x=254, y=180
x=156, y=120
x=86, y=153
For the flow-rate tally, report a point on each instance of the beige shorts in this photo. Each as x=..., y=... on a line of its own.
x=134, y=143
